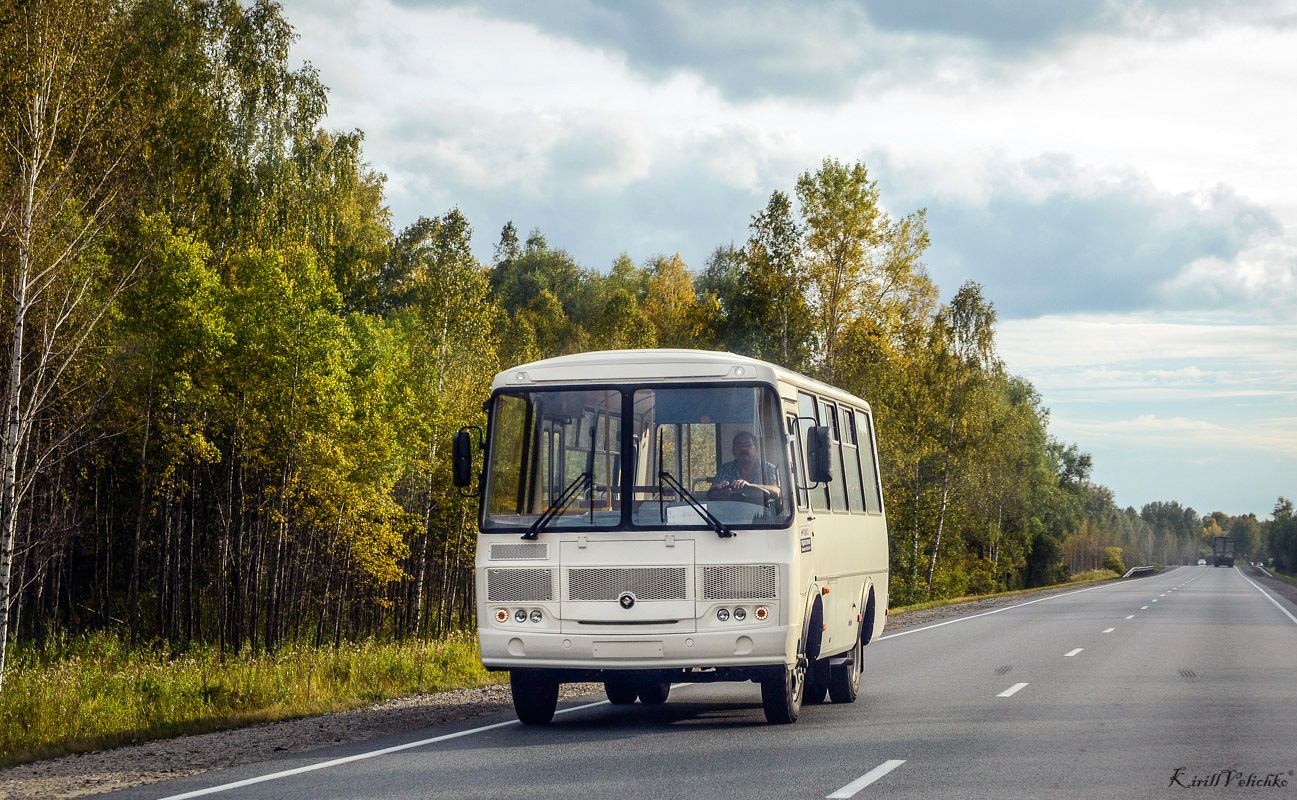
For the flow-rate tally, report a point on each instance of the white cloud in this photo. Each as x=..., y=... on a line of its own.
x=1276, y=435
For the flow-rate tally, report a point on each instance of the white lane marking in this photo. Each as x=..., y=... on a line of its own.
x=1132, y=616
x=1012, y=690
x=864, y=780
x=1074, y=652
x=360, y=756
x=986, y=613
x=1267, y=596
x=1143, y=608
x=1109, y=630
x=1154, y=599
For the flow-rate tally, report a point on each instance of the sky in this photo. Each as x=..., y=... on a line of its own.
x=1118, y=176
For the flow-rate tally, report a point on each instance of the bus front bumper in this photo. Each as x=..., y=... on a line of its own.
x=515, y=649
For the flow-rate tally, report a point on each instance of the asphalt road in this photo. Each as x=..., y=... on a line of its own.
x=1125, y=690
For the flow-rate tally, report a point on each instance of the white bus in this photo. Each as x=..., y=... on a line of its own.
x=659, y=516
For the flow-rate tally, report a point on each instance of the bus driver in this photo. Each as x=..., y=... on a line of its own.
x=747, y=477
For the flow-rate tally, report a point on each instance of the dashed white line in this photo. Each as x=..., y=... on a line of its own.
x=1154, y=599
x=1074, y=652
x=1132, y=616
x=1143, y=608
x=864, y=780
x=1109, y=630
x=1012, y=690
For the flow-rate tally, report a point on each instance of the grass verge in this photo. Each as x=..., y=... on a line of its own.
x=1093, y=576
x=1283, y=577
x=94, y=692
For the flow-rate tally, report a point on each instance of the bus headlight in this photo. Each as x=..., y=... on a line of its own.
x=501, y=615
x=535, y=615
x=520, y=615
x=740, y=615
x=722, y=614
x=761, y=613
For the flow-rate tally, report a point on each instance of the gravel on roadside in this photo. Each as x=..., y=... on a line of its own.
x=138, y=764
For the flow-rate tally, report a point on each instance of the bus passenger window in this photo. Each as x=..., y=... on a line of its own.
x=869, y=469
x=851, y=462
x=837, y=486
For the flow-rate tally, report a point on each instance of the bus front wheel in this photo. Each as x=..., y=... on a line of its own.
x=781, y=693
x=535, y=696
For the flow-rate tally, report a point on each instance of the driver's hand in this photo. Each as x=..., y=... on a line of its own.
x=740, y=485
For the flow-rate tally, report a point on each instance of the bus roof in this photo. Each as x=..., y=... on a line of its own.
x=670, y=365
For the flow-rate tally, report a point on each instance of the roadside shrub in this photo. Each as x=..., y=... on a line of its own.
x=1112, y=560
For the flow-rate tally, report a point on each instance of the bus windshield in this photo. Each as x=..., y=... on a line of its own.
x=637, y=457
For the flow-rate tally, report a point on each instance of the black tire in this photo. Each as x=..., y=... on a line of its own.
x=844, y=681
x=781, y=693
x=814, y=693
x=620, y=692
x=535, y=696
x=654, y=693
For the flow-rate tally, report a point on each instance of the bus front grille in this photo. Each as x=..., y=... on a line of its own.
x=519, y=585
x=610, y=583
x=519, y=552
x=741, y=582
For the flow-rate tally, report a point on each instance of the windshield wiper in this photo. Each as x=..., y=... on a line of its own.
x=722, y=530
x=564, y=500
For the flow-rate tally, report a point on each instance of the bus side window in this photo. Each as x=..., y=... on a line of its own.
x=799, y=469
x=837, y=486
x=851, y=462
x=869, y=468
x=808, y=411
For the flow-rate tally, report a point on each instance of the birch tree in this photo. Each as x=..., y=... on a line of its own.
x=67, y=139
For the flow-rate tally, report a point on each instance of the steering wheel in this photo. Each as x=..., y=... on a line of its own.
x=748, y=494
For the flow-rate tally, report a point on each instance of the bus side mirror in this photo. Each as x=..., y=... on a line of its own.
x=463, y=458
x=818, y=463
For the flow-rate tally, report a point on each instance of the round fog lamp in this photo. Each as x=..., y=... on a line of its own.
x=740, y=614
x=501, y=615
x=535, y=615
x=762, y=612
x=520, y=615
x=722, y=614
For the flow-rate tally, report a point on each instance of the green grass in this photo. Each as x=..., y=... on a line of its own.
x=1281, y=576
x=1093, y=576
x=94, y=692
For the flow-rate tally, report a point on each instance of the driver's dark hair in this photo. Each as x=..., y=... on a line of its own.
x=748, y=434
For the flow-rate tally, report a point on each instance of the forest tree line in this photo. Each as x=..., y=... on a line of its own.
x=230, y=382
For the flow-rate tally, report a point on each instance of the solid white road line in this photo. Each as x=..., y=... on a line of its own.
x=1012, y=690
x=1132, y=616
x=1267, y=596
x=1074, y=652
x=360, y=756
x=1109, y=630
x=864, y=780
x=987, y=613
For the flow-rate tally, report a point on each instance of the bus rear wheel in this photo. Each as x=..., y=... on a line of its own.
x=654, y=693
x=620, y=692
x=535, y=696
x=844, y=681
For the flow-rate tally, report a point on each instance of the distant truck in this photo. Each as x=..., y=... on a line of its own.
x=1224, y=546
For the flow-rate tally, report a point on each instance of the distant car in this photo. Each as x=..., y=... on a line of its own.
x=1202, y=562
